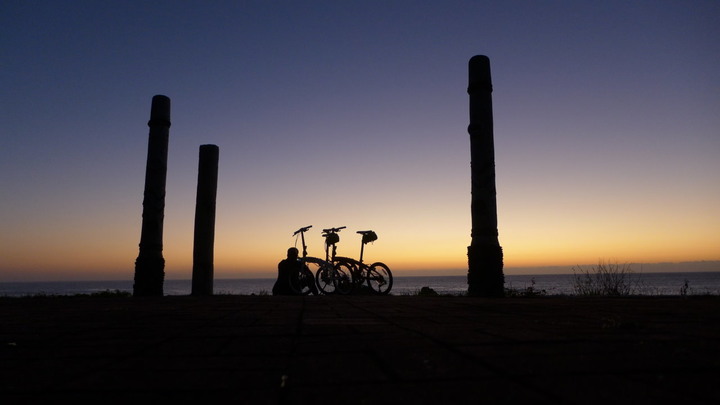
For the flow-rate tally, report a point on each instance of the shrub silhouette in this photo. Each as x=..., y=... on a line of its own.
x=605, y=279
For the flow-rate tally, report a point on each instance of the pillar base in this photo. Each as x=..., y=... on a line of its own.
x=485, y=274
x=149, y=277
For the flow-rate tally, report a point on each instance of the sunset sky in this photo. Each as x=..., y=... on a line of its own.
x=355, y=113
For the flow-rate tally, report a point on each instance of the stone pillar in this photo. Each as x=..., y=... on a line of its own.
x=150, y=264
x=485, y=257
x=203, y=249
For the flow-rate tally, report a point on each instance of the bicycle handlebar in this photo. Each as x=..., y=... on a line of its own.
x=334, y=229
x=304, y=229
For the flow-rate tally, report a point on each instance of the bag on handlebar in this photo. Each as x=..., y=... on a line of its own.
x=332, y=238
x=369, y=237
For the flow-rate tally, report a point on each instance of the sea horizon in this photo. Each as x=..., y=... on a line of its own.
x=661, y=283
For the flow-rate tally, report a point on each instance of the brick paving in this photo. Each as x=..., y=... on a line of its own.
x=358, y=349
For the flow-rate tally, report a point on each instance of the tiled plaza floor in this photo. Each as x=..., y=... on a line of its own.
x=359, y=349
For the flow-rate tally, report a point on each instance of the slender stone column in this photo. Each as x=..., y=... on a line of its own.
x=203, y=249
x=150, y=264
x=485, y=257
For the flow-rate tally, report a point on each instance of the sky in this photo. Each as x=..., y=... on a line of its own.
x=355, y=113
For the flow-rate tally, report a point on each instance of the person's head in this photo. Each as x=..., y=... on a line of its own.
x=292, y=253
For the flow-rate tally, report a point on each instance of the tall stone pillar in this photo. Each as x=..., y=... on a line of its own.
x=485, y=256
x=203, y=249
x=150, y=264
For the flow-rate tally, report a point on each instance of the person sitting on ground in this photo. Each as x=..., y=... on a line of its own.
x=287, y=267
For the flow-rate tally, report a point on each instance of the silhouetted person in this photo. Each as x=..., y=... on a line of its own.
x=290, y=266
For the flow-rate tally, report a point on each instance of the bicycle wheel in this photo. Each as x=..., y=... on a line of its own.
x=344, y=282
x=303, y=282
x=379, y=278
x=334, y=279
x=352, y=267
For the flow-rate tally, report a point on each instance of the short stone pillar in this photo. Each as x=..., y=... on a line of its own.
x=150, y=264
x=485, y=256
x=203, y=249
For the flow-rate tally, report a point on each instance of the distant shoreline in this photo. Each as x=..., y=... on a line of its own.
x=642, y=284
x=700, y=266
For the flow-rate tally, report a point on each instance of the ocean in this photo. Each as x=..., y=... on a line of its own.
x=698, y=283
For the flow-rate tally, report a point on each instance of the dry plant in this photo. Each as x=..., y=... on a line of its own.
x=530, y=291
x=605, y=279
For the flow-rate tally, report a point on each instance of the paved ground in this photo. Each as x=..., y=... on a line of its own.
x=340, y=350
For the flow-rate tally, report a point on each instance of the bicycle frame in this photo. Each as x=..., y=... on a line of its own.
x=377, y=275
x=362, y=244
x=327, y=278
x=326, y=234
x=302, y=231
x=303, y=282
x=362, y=250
